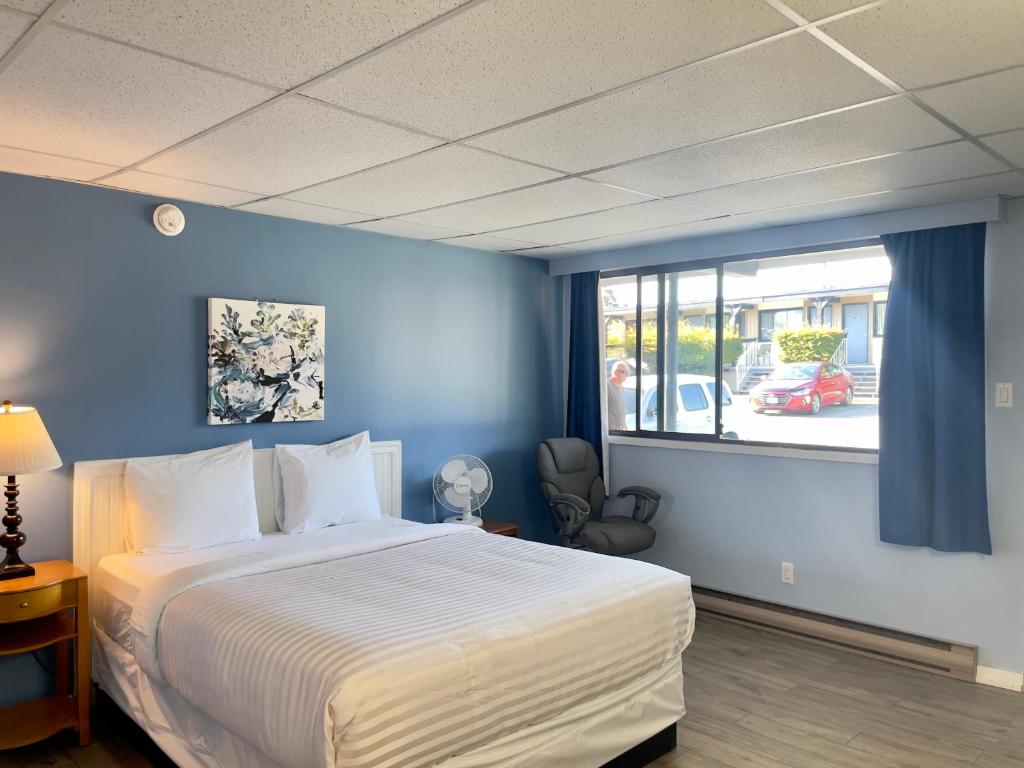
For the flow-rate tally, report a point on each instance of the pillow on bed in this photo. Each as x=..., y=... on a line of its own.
x=191, y=501
x=326, y=485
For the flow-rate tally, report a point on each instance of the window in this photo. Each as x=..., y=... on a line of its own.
x=812, y=315
x=772, y=320
x=798, y=383
x=740, y=324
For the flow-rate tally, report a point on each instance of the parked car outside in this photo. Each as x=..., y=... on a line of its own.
x=803, y=388
x=695, y=403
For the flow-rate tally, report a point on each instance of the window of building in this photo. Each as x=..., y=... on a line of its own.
x=812, y=315
x=770, y=321
x=799, y=383
x=879, y=320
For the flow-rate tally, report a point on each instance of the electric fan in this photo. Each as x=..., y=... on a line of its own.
x=462, y=484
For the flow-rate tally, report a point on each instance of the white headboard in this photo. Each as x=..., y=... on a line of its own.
x=100, y=524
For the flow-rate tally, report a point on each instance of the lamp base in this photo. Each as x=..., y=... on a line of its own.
x=13, y=567
x=15, y=570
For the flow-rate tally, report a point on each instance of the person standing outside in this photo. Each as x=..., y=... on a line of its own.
x=617, y=395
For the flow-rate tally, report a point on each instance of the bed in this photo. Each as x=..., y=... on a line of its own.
x=387, y=643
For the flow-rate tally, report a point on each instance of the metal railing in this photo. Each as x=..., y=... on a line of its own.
x=746, y=361
x=839, y=356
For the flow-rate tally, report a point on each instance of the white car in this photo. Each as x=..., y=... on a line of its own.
x=695, y=403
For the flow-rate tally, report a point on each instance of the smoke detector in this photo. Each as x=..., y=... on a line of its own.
x=169, y=220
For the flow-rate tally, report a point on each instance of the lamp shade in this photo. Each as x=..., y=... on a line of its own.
x=25, y=445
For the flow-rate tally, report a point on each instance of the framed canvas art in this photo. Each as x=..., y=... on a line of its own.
x=265, y=361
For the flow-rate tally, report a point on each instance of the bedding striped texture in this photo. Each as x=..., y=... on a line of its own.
x=409, y=654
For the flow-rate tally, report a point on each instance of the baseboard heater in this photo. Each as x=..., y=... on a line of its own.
x=942, y=657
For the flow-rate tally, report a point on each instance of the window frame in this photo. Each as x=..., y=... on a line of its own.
x=716, y=441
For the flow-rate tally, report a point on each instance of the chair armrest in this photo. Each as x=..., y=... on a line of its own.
x=569, y=513
x=645, y=502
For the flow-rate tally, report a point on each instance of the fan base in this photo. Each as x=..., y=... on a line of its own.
x=471, y=520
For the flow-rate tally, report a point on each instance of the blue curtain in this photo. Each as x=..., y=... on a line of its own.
x=931, y=461
x=583, y=405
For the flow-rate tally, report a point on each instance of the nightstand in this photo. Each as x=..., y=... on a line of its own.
x=501, y=529
x=49, y=608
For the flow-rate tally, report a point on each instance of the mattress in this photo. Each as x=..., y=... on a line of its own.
x=392, y=643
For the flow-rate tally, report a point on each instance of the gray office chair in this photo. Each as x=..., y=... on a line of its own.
x=575, y=493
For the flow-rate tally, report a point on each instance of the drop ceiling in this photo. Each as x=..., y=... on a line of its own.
x=540, y=127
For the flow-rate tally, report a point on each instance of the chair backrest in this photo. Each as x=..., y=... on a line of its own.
x=569, y=465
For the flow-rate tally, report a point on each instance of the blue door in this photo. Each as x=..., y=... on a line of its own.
x=855, y=322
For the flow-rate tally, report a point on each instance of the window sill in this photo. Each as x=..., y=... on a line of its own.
x=808, y=454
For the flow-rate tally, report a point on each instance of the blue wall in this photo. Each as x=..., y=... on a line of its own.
x=729, y=520
x=103, y=327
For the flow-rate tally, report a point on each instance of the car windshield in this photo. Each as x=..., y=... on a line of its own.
x=726, y=394
x=792, y=371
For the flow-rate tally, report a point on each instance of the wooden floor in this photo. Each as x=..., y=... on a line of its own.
x=753, y=700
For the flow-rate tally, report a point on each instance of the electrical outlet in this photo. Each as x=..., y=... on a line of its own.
x=787, y=573
x=1004, y=395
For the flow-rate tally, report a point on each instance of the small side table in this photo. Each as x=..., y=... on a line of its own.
x=48, y=608
x=501, y=529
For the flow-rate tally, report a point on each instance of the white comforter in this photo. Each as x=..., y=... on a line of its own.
x=403, y=644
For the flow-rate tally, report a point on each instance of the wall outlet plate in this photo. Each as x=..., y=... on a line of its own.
x=1004, y=395
x=787, y=573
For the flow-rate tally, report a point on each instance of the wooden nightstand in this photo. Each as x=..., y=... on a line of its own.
x=49, y=608
x=501, y=529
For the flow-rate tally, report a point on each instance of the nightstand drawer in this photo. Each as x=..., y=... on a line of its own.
x=19, y=606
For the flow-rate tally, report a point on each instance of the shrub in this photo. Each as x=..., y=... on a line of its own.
x=695, y=352
x=808, y=345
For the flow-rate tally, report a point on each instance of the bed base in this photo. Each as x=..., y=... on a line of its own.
x=647, y=752
x=113, y=720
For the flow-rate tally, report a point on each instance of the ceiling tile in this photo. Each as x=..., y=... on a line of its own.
x=164, y=186
x=784, y=80
x=854, y=134
x=289, y=209
x=503, y=60
x=1009, y=145
x=546, y=252
x=292, y=143
x=487, y=243
x=630, y=218
x=923, y=166
x=12, y=27
x=29, y=6
x=89, y=98
x=412, y=229
x=57, y=167
x=923, y=42
x=445, y=175
x=281, y=43
x=983, y=104
x=567, y=197
x=813, y=10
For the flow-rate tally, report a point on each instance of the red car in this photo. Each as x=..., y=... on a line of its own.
x=803, y=388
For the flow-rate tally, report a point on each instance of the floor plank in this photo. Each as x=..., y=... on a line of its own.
x=754, y=700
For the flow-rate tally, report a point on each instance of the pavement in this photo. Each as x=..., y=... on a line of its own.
x=852, y=426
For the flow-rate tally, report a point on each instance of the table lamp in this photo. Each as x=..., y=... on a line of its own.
x=25, y=447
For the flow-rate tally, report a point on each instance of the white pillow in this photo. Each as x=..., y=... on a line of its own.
x=326, y=484
x=191, y=501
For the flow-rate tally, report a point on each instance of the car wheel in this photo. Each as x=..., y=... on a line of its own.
x=848, y=398
x=758, y=411
x=815, y=404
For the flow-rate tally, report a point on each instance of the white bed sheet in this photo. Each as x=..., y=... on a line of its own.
x=124, y=592
x=118, y=579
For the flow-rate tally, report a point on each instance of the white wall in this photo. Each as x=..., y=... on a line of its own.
x=729, y=520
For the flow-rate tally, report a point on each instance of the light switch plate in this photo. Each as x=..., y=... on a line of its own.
x=1004, y=395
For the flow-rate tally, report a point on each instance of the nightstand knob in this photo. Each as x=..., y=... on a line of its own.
x=24, y=605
